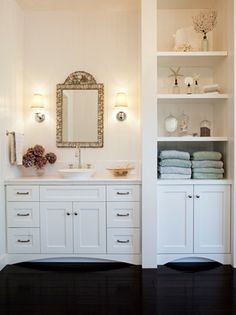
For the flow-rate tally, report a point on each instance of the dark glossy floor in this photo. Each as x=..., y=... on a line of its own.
x=117, y=289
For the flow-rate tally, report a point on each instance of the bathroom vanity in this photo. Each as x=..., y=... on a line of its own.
x=59, y=218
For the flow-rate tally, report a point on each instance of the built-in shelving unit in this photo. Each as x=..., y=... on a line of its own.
x=160, y=20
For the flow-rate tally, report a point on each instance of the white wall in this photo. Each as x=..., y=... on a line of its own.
x=102, y=40
x=11, y=87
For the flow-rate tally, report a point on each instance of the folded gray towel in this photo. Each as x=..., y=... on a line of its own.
x=207, y=176
x=175, y=170
x=175, y=162
x=216, y=164
x=174, y=176
x=173, y=154
x=207, y=155
x=208, y=170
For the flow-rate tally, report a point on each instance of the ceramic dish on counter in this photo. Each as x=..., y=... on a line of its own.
x=120, y=171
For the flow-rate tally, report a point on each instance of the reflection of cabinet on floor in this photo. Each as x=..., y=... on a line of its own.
x=193, y=219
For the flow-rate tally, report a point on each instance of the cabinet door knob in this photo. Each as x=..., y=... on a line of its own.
x=75, y=213
x=190, y=196
x=197, y=196
x=68, y=213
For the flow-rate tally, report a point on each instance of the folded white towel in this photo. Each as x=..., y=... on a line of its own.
x=211, y=88
x=19, y=143
x=16, y=148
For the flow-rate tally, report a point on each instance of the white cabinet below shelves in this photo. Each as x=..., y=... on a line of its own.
x=193, y=219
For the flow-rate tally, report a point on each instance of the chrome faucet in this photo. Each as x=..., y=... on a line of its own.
x=78, y=155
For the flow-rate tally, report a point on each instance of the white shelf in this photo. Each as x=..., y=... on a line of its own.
x=192, y=139
x=192, y=54
x=192, y=58
x=201, y=96
x=193, y=181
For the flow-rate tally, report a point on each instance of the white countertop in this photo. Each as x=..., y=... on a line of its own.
x=57, y=180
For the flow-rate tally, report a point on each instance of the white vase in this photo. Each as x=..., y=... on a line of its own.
x=205, y=43
x=39, y=171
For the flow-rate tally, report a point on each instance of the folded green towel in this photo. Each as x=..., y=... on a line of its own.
x=217, y=164
x=208, y=170
x=174, y=176
x=207, y=176
x=175, y=170
x=173, y=154
x=175, y=162
x=207, y=155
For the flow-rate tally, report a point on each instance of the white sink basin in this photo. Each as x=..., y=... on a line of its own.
x=77, y=173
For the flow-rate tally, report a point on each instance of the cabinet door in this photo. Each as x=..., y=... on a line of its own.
x=56, y=227
x=89, y=227
x=211, y=218
x=175, y=219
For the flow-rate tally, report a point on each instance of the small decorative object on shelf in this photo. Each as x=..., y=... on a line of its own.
x=188, y=81
x=183, y=125
x=196, y=89
x=211, y=88
x=205, y=128
x=36, y=157
x=175, y=74
x=203, y=23
x=186, y=40
x=171, y=124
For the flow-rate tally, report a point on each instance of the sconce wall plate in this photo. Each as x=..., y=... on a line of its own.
x=39, y=117
x=121, y=116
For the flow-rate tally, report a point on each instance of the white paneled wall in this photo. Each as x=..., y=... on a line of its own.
x=11, y=88
x=104, y=41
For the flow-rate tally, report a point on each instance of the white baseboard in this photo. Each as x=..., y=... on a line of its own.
x=2, y=261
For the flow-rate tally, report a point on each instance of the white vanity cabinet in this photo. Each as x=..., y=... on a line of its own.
x=123, y=219
x=23, y=233
x=94, y=220
x=193, y=219
x=76, y=224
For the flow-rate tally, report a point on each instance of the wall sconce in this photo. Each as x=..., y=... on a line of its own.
x=37, y=106
x=121, y=102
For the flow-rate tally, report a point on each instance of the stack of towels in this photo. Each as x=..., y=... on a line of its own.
x=207, y=165
x=174, y=165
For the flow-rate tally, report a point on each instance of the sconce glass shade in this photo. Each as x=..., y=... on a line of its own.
x=121, y=101
x=37, y=106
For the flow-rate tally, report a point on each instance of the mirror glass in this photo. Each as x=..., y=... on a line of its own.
x=80, y=119
x=80, y=106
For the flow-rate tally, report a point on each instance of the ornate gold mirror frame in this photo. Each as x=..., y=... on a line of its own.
x=80, y=80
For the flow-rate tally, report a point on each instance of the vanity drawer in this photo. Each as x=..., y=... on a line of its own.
x=123, y=241
x=123, y=214
x=23, y=214
x=23, y=241
x=22, y=193
x=72, y=193
x=123, y=193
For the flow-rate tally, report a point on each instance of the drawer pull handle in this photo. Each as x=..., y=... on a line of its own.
x=122, y=242
x=122, y=194
x=22, y=193
x=20, y=241
x=23, y=215
x=122, y=215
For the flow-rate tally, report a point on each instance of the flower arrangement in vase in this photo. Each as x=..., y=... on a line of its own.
x=205, y=22
x=36, y=157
